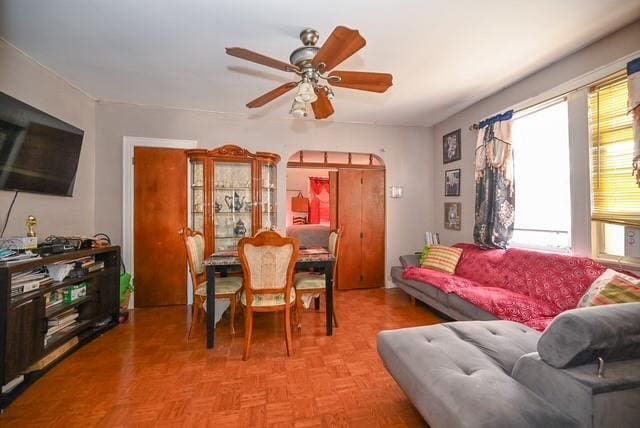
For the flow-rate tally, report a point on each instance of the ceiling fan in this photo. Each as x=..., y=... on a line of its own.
x=312, y=64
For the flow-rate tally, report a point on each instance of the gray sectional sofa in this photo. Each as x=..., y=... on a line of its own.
x=449, y=304
x=505, y=374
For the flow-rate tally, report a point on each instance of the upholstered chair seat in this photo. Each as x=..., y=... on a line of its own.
x=228, y=285
x=268, y=299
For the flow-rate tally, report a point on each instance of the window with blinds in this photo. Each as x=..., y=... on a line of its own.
x=615, y=196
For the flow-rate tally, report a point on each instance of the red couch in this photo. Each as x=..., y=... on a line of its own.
x=519, y=285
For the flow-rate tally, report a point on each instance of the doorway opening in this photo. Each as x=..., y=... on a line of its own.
x=329, y=190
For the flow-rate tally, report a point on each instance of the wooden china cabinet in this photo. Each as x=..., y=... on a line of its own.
x=232, y=195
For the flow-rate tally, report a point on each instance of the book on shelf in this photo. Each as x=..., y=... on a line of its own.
x=61, y=322
x=27, y=277
x=65, y=328
x=27, y=286
x=86, y=260
x=53, y=298
x=95, y=266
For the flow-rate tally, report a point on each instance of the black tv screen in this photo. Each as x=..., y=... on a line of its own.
x=38, y=153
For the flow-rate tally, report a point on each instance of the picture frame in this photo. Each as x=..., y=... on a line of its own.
x=452, y=146
x=452, y=215
x=452, y=182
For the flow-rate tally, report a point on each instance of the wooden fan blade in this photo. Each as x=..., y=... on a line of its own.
x=260, y=59
x=340, y=45
x=322, y=107
x=362, y=80
x=272, y=95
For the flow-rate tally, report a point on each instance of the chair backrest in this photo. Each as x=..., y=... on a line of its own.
x=334, y=247
x=194, y=243
x=268, y=262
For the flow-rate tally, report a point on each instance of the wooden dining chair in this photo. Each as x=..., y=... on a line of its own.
x=268, y=262
x=314, y=283
x=226, y=288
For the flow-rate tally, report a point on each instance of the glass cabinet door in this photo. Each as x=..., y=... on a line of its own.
x=197, y=195
x=268, y=196
x=232, y=204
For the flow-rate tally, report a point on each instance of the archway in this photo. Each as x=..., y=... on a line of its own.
x=328, y=190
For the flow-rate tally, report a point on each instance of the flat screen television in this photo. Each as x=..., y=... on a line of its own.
x=38, y=153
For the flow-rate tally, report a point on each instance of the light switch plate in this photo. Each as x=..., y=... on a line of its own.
x=631, y=241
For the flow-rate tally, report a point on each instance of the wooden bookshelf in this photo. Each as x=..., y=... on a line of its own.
x=24, y=317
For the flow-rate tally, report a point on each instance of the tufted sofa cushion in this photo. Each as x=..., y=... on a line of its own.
x=458, y=374
x=581, y=335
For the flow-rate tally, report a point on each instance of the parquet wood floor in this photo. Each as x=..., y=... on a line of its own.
x=146, y=373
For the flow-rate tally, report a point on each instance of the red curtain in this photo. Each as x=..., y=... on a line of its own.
x=319, y=205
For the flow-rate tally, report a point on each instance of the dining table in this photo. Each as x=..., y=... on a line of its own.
x=316, y=258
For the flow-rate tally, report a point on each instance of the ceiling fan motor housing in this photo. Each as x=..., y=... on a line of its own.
x=303, y=56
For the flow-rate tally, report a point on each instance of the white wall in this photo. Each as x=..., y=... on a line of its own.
x=298, y=180
x=587, y=65
x=30, y=82
x=406, y=151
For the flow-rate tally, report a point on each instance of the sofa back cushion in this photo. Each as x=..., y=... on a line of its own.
x=582, y=335
x=554, y=278
x=486, y=267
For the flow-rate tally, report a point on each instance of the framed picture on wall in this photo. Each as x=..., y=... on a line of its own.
x=452, y=214
x=452, y=182
x=451, y=147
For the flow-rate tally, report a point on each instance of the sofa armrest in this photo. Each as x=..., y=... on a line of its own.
x=608, y=401
x=410, y=260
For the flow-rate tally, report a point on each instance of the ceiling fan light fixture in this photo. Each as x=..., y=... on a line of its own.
x=298, y=109
x=330, y=94
x=305, y=93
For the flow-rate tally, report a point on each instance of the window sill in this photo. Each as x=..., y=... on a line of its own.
x=553, y=250
x=618, y=262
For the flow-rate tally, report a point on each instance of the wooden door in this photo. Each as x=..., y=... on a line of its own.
x=160, y=215
x=350, y=219
x=361, y=213
x=373, y=213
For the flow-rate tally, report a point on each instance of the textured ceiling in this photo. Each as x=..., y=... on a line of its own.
x=444, y=55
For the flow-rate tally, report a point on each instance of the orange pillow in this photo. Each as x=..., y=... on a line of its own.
x=444, y=259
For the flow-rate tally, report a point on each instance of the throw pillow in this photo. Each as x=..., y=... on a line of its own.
x=611, y=287
x=425, y=251
x=444, y=259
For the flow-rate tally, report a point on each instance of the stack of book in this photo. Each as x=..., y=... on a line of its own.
x=61, y=323
x=23, y=282
x=431, y=238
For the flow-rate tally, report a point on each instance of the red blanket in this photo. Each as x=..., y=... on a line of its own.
x=530, y=287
